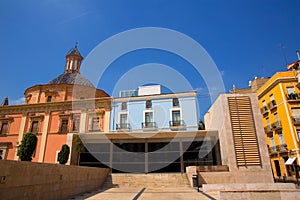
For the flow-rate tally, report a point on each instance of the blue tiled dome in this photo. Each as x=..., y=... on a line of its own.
x=71, y=78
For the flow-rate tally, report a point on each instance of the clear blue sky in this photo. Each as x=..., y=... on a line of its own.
x=242, y=37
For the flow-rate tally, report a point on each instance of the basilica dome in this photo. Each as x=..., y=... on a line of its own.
x=71, y=78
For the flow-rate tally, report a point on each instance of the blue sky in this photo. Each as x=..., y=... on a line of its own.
x=242, y=37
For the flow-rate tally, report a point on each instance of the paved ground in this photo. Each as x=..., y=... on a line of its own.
x=146, y=194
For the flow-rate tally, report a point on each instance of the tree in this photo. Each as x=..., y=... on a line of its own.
x=201, y=125
x=27, y=147
x=63, y=155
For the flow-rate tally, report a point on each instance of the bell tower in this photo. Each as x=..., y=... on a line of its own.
x=73, y=60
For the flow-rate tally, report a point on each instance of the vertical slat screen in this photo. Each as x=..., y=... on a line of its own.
x=244, y=132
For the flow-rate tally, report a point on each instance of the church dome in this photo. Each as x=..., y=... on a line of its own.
x=71, y=78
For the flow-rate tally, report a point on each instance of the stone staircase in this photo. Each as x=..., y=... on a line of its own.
x=165, y=180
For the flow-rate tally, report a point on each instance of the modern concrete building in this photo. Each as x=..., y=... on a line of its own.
x=152, y=132
x=243, y=149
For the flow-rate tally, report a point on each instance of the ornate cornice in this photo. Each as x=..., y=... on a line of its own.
x=84, y=104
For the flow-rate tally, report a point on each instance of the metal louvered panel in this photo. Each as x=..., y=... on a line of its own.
x=244, y=132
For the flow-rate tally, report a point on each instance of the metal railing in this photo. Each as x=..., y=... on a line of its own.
x=176, y=123
x=292, y=96
x=149, y=125
x=278, y=148
x=123, y=126
x=264, y=109
x=272, y=104
x=296, y=119
x=276, y=125
x=282, y=147
x=268, y=128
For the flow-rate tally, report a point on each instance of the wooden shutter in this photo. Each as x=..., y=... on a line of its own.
x=244, y=132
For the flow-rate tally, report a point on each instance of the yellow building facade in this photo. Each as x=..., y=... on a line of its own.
x=279, y=101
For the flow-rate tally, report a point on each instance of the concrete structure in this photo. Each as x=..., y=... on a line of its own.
x=27, y=180
x=254, y=85
x=67, y=105
x=242, y=142
x=279, y=102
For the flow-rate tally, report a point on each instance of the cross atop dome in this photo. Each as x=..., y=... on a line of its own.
x=73, y=60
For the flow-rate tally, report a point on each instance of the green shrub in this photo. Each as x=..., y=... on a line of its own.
x=63, y=155
x=27, y=147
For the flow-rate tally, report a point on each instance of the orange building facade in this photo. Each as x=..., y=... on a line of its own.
x=56, y=112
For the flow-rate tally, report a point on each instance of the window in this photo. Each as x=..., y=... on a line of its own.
x=148, y=119
x=281, y=137
x=34, y=127
x=276, y=117
x=49, y=99
x=264, y=105
x=148, y=104
x=272, y=141
x=95, y=124
x=175, y=102
x=76, y=122
x=124, y=106
x=176, y=118
x=64, y=125
x=298, y=133
x=290, y=90
x=123, y=118
x=291, y=93
x=268, y=121
x=123, y=121
x=4, y=128
x=273, y=102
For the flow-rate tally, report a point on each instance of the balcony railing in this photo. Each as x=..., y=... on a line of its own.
x=149, y=125
x=264, y=109
x=268, y=129
x=272, y=149
x=123, y=126
x=281, y=148
x=296, y=119
x=176, y=123
x=272, y=104
x=292, y=96
x=278, y=148
x=276, y=125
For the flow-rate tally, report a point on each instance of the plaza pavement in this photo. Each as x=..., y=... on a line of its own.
x=130, y=193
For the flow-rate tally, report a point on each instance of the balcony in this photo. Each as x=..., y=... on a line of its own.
x=278, y=149
x=276, y=125
x=281, y=148
x=268, y=129
x=264, y=110
x=292, y=97
x=296, y=120
x=149, y=126
x=177, y=125
x=272, y=150
x=272, y=105
x=123, y=127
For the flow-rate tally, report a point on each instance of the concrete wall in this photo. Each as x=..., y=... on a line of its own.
x=27, y=180
x=218, y=118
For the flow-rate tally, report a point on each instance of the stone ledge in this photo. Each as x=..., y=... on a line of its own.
x=248, y=187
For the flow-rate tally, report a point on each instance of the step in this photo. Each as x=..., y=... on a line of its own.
x=147, y=180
